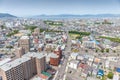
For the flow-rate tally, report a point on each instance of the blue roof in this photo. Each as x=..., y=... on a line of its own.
x=96, y=42
x=100, y=72
x=118, y=70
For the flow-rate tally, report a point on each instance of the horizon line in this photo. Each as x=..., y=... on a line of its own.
x=61, y=14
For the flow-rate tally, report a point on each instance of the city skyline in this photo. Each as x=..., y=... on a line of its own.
x=56, y=7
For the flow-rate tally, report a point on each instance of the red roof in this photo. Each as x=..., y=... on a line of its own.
x=84, y=66
x=43, y=76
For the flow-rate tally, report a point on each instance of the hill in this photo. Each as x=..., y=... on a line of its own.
x=68, y=16
x=6, y=15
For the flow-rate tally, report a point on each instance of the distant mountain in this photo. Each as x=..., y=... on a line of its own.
x=62, y=16
x=6, y=15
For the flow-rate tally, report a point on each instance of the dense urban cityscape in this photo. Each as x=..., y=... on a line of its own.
x=59, y=39
x=69, y=49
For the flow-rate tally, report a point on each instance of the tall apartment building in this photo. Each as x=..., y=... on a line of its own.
x=37, y=31
x=23, y=68
x=39, y=60
x=19, y=52
x=24, y=42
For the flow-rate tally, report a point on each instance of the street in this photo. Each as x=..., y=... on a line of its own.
x=61, y=69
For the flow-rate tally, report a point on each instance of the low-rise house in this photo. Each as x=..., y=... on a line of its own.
x=116, y=77
x=74, y=56
x=73, y=64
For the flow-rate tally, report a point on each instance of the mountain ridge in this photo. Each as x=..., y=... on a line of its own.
x=7, y=15
x=76, y=16
x=81, y=15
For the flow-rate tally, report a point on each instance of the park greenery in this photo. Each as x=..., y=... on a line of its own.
x=48, y=30
x=12, y=33
x=98, y=23
x=30, y=27
x=111, y=39
x=53, y=23
x=107, y=23
x=79, y=37
x=78, y=34
x=9, y=47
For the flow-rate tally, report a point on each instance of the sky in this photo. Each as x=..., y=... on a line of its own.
x=56, y=7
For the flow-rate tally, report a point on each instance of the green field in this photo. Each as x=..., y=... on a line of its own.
x=78, y=35
x=53, y=23
x=111, y=39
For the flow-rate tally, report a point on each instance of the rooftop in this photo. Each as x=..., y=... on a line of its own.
x=24, y=58
x=14, y=63
x=4, y=61
x=74, y=54
x=53, y=55
x=36, y=78
x=34, y=54
x=74, y=61
x=24, y=37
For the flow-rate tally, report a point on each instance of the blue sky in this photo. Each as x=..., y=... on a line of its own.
x=51, y=7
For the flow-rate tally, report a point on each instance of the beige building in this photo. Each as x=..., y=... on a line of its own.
x=23, y=68
x=19, y=52
x=37, y=31
x=89, y=44
x=24, y=42
x=39, y=60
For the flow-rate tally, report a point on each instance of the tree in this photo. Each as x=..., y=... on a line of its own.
x=116, y=39
x=104, y=78
x=28, y=34
x=30, y=27
x=107, y=50
x=102, y=50
x=9, y=47
x=80, y=33
x=15, y=31
x=2, y=26
x=118, y=54
x=96, y=50
x=110, y=75
x=114, y=51
x=12, y=33
x=86, y=50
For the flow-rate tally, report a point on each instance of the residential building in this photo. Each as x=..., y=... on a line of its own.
x=24, y=68
x=24, y=42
